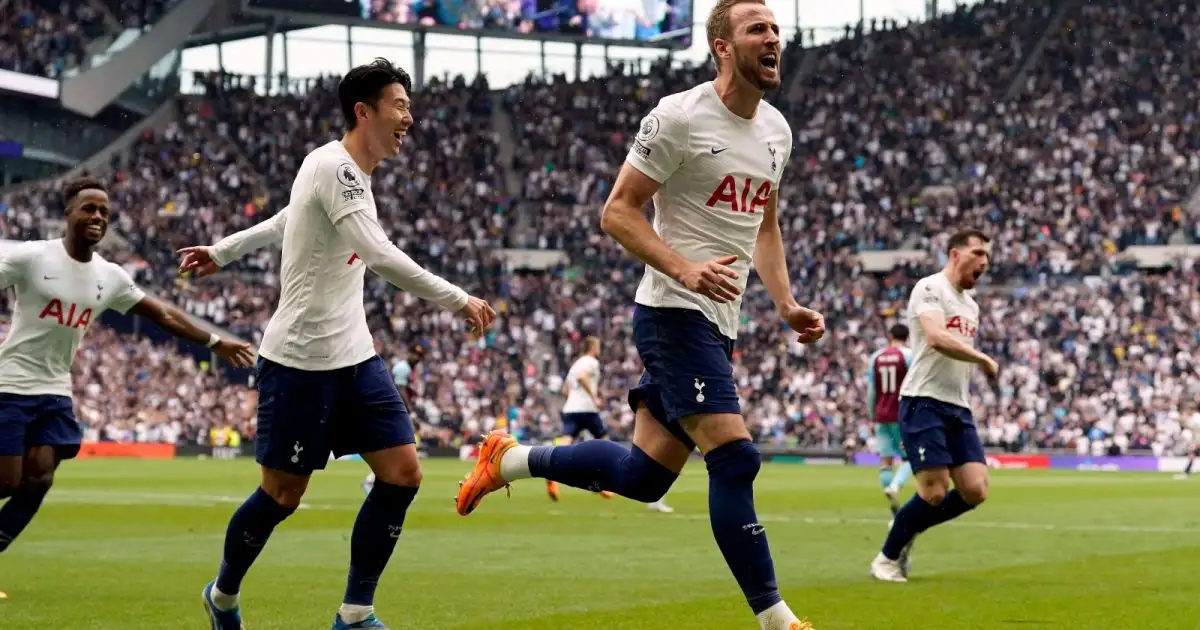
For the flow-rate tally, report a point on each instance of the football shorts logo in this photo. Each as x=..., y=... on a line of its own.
x=649, y=128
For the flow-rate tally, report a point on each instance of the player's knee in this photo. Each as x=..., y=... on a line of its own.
x=933, y=494
x=399, y=467
x=646, y=480
x=38, y=483
x=285, y=489
x=738, y=460
x=403, y=473
x=974, y=492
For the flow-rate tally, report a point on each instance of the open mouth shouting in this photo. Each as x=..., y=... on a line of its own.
x=769, y=62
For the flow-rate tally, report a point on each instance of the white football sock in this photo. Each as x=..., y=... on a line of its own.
x=514, y=464
x=223, y=601
x=777, y=617
x=354, y=613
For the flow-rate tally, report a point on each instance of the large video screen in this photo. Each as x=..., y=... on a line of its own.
x=665, y=23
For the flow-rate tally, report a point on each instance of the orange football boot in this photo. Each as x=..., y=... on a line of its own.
x=552, y=490
x=606, y=494
x=801, y=625
x=485, y=478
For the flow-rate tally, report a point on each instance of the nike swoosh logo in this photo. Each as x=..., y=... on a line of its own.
x=49, y=277
x=715, y=150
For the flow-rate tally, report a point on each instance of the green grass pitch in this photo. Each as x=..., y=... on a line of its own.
x=129, y=544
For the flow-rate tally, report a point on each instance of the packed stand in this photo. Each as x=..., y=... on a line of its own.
x=46, y=37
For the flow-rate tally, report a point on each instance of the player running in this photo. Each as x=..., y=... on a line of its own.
x=581, y=411
x=936, y=424
x=711, y=158
x=322, y=388
x=887, y=368
x=1193, y=452
x=62, y=286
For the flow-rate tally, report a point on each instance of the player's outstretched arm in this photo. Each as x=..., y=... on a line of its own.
x=933, y=323
x=771, y=265
x=238, y=353
x=367, y=238
x=623, y=220
x=205, y=260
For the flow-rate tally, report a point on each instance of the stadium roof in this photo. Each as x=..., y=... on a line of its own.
x=228, y=23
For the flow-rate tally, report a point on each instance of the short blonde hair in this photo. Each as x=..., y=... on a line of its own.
x=720, y=26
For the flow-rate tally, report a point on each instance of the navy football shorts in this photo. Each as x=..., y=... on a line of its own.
x=938, y=434
x=39, y=420
x=576, y=422
x=688, y=367
x=304, y=415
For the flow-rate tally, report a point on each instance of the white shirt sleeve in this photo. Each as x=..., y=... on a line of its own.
x=339, y=188
x=368, y=240
x=661, y=144
x=927, y=298
x=127, y=294
x=239, y=244
x=14, y=263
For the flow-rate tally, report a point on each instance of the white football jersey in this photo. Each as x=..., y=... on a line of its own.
x=717, y=171
x=932, y=373
x=320, y=323
x=58, y=297
x=578, y=400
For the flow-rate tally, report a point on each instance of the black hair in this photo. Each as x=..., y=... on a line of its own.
x=962, y=237
x=78, y=185
x=899, y=332
x=365, y=84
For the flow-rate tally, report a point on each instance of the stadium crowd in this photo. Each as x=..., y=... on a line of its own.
x=901, y=135
x=46, y=37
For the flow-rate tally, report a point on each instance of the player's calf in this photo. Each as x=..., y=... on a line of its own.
x=24, y=502
x=933, y=505
x=733, y=463
x=594, y=465
x=251, y=526
x=10, y=475
x=376, y=531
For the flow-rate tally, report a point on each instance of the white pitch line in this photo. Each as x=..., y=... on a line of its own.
x=882, y=522
x=205, y=500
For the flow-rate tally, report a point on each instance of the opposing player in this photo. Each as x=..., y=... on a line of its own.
x=322, y=387
x=887, y=368
x=936, y=424
x=62, y=286
x=402, y=373
x=711, y=158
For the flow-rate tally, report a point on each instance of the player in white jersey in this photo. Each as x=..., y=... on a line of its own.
x=62, y=286
x=581, y=411
x=936, y=424
x=322, y=387
x=711, y=158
